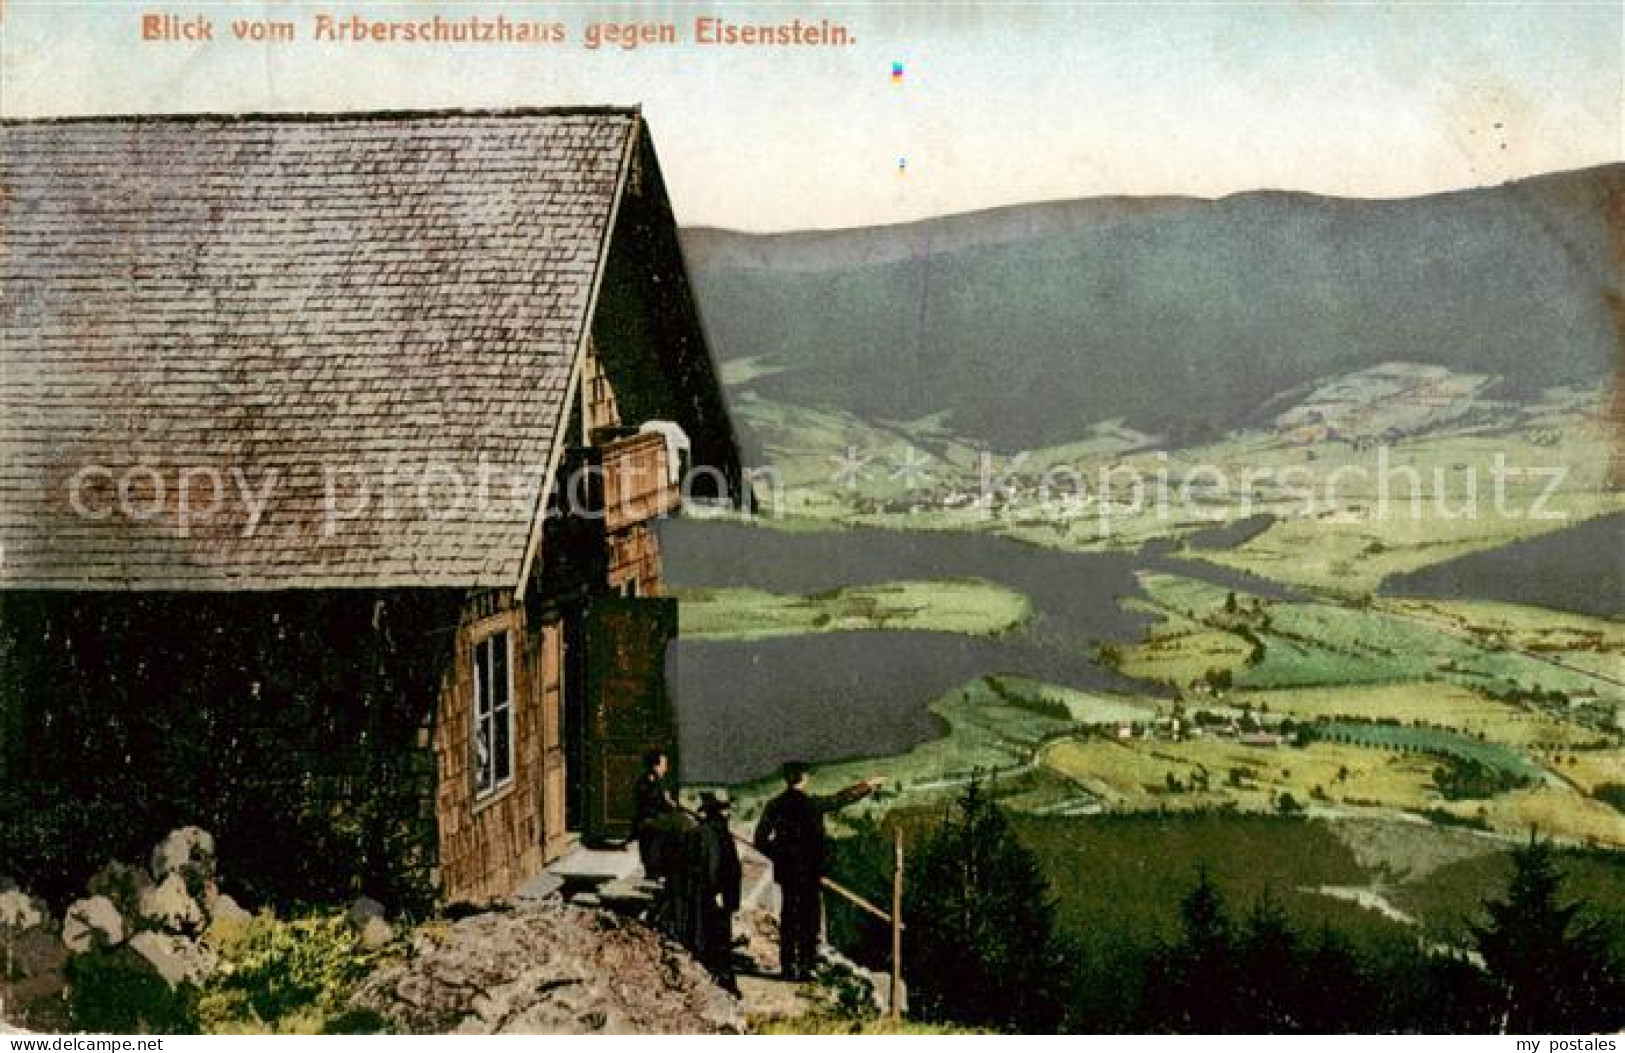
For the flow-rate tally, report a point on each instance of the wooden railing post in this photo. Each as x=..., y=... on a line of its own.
x=897, y=928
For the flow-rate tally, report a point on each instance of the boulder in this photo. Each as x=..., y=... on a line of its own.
x=223, y=908
x=170, y=906
x=370, y=922
x=30, y=955
x=176, y=959
x=124, y=885
x=189, y=852
x=20, y=913
x=364, y=908
x=375, y=933
x=92, y=923
x=31, y=959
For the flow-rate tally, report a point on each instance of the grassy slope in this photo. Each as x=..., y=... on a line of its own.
x=993, y=725
x=1127, y=873
x=1135, y=774
x=972, y=607
x=1446, y=899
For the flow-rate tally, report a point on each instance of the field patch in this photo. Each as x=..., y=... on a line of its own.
x=1182, y=652
x=1297, y=645
x=1531, y=628
x=1589, y=769
x=971, y=607
x=1431, y=741
x=1550, y=811
x=1434, y=703
x=1209, y=772
x=992, y=727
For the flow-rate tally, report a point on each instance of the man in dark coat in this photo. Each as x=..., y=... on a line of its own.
x=715, y=862
x=791, y=834
x=654, y=809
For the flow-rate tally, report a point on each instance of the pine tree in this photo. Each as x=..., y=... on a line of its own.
x=1333, y=994
x=979, y=947
x=1552, y=968
x=1205, y=918
x=1194, y=985
x=1268, y=972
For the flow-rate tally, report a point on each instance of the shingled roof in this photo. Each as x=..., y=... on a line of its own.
x=295, y=308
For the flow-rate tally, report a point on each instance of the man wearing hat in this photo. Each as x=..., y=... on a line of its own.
x=716, y=881
x=791, y=834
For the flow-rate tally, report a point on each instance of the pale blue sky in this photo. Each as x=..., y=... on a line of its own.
x=999, y=103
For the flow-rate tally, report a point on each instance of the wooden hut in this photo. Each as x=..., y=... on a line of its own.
x=333, y=448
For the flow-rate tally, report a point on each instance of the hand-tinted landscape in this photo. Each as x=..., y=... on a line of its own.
x=1276, y=534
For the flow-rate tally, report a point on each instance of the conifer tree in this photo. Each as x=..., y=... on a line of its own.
x=979, y=946
x=1551, y=966
x=1194, y=987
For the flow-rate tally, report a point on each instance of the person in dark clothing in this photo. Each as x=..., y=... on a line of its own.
x=791, y=834
x=716, y=877
x=678, y=911
x=653, y=811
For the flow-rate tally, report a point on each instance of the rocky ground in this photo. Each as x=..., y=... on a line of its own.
x=548, y=968
x=536, y=965
x=596, y=964
x=151, y=915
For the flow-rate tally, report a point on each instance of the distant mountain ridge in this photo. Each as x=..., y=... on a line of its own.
x=718, y=248
x=1183, y=316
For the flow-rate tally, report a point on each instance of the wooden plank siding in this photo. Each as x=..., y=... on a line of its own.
x=489, y=846
x=598, y=397
x=634, y=562
x=637, y=486
x=549, y=643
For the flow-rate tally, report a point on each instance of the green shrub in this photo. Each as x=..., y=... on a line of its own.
x=116, y=992
x=1466, y=778
x=286, y=976
x=356, y=1022
x=842, y=994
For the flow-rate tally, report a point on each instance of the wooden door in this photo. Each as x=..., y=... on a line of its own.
x=552, y=774
x=628, y=706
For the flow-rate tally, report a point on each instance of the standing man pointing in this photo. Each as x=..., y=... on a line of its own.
x=791, y=834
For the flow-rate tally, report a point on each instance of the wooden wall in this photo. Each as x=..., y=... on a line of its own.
x=634, y=561
x=636, y=490
x=637, y=482
x=597, y=395
x=490, y=846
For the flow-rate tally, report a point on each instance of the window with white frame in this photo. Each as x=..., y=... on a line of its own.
x=493, y=714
